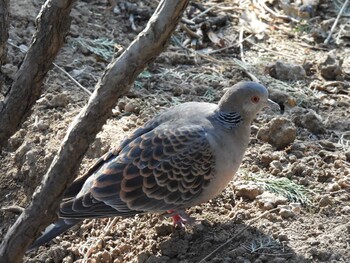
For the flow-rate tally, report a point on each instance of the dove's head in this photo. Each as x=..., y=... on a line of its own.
x=246, y=98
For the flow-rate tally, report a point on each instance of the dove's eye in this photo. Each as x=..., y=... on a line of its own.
x=255, y=99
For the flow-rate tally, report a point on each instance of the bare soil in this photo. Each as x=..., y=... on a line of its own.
x=290, y=201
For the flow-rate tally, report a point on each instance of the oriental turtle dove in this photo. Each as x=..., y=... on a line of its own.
x=182, y=157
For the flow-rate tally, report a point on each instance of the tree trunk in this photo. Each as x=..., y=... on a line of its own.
x=4, y=29
x=52, y=26
x=116, y=80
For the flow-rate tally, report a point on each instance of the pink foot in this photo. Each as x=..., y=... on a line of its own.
x=181, y=218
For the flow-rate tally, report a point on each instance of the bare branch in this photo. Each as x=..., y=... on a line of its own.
x=115, y=82
x=52, y=25
x=4, y=29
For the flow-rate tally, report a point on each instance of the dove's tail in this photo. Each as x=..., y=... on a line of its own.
x=53, y=231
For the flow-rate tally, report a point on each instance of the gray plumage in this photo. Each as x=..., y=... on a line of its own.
x=182, y=157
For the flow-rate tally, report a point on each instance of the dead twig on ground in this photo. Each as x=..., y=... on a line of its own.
x=241, y=43
x=116, y=80
x=58, y=67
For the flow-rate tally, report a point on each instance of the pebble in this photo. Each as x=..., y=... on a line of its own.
x=309, y=120
x=164, y=230
x=248, y=191
x=276, y=165
x=331, y=67
x=347, y=156
x=279, y=132
x=286, y=71
x=267, y=200
x=59, y=100
x=172, y=247
x=9, y=70
x=324, y=201
x=345, y=210
x=296, y=207
x=132, y=108
x=283, y=237
x=286, y=213
x=334, y=187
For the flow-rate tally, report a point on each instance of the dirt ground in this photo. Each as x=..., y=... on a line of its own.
x=290, y=201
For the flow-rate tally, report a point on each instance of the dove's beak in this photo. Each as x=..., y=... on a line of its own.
x=273, y=105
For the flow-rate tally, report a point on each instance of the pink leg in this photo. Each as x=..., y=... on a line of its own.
x=180, y=218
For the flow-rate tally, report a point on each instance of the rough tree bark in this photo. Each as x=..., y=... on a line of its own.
x=115, y=82
x=4, y=29
x=52, y=26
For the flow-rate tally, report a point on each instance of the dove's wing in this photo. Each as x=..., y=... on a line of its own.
x=162, y=169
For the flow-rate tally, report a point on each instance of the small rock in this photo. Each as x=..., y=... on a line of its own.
x=143, y=256
x=347, y=156
x=59, y=100
x=41, y=126
x=279, y=132
x=286, y=71
x=309, y=120
x=236, y=252
x=343, y=183
x=132, y=108
x=331, y=68
x=172, y=247
x=21, y=151
x=282, y=98
x=9, y=70
x=345, y=210
x=334, y=187
x=296, y=207
x=164, y=230
x=276, y=165
x=268, y=200
x=283, y=237
x=121, y=105
x=106, y=256
x=248, y=191
x=324, y=201
x=286, y=213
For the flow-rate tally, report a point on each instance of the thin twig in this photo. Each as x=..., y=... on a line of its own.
x=206, y=11
x=73, y=79
x=336, y=22
x=241, y=43
x=25, y=49
x=189, y=31
x=264, y=6
x=237, y=234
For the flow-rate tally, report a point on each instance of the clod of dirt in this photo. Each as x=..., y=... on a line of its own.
x=331, y=68
x=309, y=120
x=173, y=247
x=164, y=230
x=324, y=201
x=282, y=98
x=285, y=71
x=285, y=212
x=59, y=100
x=9, y=70
x=334, y=187
x=132, y=107
x=267, y=200
x=248, y=191
x=279, y=132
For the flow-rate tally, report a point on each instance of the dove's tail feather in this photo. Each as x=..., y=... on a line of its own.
x=53, y=231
